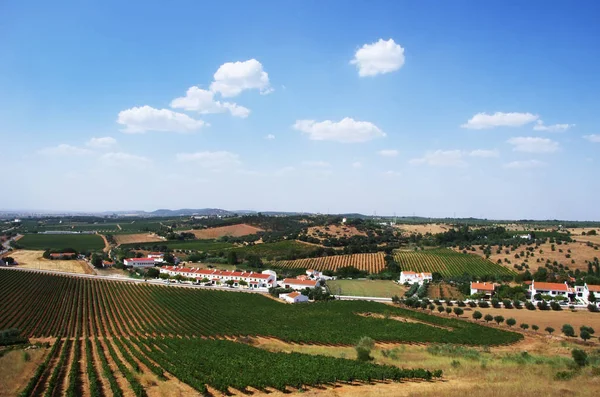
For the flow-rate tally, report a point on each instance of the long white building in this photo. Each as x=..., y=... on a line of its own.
x=583, y=293
x=265, y=279
x=552, y=289
x=139, y=262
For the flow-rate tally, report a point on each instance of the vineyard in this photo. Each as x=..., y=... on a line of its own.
x=109, y=335
x=448, y=263
x=372, y=263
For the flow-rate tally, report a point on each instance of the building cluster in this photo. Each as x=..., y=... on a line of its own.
x=153, y=258
x=409, y=277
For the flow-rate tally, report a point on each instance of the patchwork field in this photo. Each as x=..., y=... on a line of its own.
x=372, y=263
x=230, y=231
x=432, y=228
x=34, y=260
x=448, y=263
x=374, y=288
x=78, y=242
x=137, y=238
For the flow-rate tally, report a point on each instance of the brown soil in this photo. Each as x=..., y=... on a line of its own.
x=15, y=371
x=137, y=238
x=432, y=228
x=443, y=291
x=30, y=259
x=106, y=244
x=323, y=232
x=230, y=231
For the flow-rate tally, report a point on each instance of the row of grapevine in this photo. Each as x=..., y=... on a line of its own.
x=372, y=263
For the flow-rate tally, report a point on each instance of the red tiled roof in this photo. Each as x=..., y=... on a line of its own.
x=300, y=282
x=595, y=288
x=408, y=273
x=483, y=286
x=140, y=259
x=293, y=294
x=550, y=286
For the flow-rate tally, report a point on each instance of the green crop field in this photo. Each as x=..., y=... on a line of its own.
x=79, y=242
x=198, y=245
x=127, y=323
x=279, y=250
x=448, y=263
x=375, y=288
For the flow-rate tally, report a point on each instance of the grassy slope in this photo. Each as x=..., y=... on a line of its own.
x=377, y=288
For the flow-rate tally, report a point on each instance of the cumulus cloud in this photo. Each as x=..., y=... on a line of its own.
x=270, y=137
x=388, y=153
x=485, y=121
x=441, y=158
x=540, y=126
x=202, y=101
x=592, y=138
x=64, y=150
x=211, y=160
x=138, y=120
x=347, y=130
x=533, y=144
x=234, y=77
x=316, y=164
x=524, y=164
x=484, y=153
x=357, y=164
x=101, y=143
x=378, y=58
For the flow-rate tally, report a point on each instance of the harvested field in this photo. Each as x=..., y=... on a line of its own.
x=432, y=228
x=35, y=260
x=137, y=238
x=443, y=291
x=230, y=231
x=16, y=371
x=324, y=232
x=372, y=263
x=375, y=288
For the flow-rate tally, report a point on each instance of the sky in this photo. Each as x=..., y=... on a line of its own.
x=433, y=108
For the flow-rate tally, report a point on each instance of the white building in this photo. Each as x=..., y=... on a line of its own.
x=298, y=283
x=139, y=262
x=552, y=289
x=314, y=274
x=264, y=280
x=412, y=277
x=523, y=236
x=583, y=293
x=158, y=257
x=294, y=297
x=483, y=288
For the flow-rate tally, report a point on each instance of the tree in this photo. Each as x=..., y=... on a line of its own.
x=169, y=258
x=440, y=308
x=458, y=311
x=232, y=258
x=448, y=310
x=589, y=330
x=363, y=349
x=152, y=272
x=549, y=330
x=243, y=283
x=568, y=330
x=229, y=282
x=488, y=318
x=523, y=325
x=96, y=261
x=254, y=261
x=535, y=327
x=580, y=357
x=499, y=319
x=511, y=321
x=585, y=335
x=477, y=315
x=592, y=297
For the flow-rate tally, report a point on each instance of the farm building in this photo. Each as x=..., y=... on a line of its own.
x=552, y=289
x=139, y=262
x=297, y=284
x=294, y=297
x=412, y=277
x=107, y=263
x=62, y=255
x=483, y=288
x=266, y=279
x=583, y=293
x=158, y=257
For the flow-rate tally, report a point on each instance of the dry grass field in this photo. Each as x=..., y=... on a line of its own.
x=137, y=238
x=34, y=260
x=339, y=231
x=230, y=231
x=432, y=228
x=16, y=369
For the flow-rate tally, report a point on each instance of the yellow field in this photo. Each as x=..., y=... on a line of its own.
x=372, y=263
x=432, y=228
x=34, y=260
x=137, y=238
x=16, y=370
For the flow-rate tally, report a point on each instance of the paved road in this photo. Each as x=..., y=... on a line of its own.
x=362, y=298
x=6, y=244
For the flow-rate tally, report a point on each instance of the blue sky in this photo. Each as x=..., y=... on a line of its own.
x=485, y=109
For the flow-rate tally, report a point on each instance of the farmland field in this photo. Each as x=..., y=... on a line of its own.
x=232, y=231
x=79, y=242
x=136, y=238
x=112, y=335
x=375, y=288
x=372, y=263
x=199, y=245
x=35, y=260
x=279, y=250
x=448, y=263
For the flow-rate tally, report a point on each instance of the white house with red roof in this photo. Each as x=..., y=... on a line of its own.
x=413, y=277
x=487, y=289
x=298, y=284
x=264, y=280
x=583, y=293
x=158, y=257
x=139, y=262
x=552, y=289
x=294, y=297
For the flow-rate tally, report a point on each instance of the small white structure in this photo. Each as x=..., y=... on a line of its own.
x=314, y=274
x=298, y=284
x=294, y=297
x=483, y=288
x=158, y=257
x=412, y=277
x=523, y=236
x=139, y=262
x=552, y=289
x=583, y=293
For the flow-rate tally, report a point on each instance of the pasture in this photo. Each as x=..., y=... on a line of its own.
x=374, y=288
x=372, y=263
x=448, y=263
x=79, y=242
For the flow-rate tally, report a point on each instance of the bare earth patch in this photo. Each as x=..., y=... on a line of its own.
x=432, y=228
x=230, y=231
x=137, y=238
x=34, y=260
x=15, y=372
x=323, y=232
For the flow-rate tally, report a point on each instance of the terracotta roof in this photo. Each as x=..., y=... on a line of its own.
x=293, y=294
x=426, y=274
x=140, y=259
x=409, y=273
x=155, y=253
x=538, y=285
x=483, y=286
x=595, y=288
x=300, y=282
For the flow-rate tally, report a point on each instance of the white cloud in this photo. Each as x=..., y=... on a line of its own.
x=525, y=164
x=120, y=159
x=103, y=142
x=211, y=160
x=316, y=164
x=533, y=144
x=270, y=137
x=202, y=101
x=484, y=121
x=64, y=150
x=357, y=164
x=378, y=58
x=234, y=77
x=484, y=153
x=392, y=173
x=441, y=158
x=592, y=138
x=138, y=120
x=388, y=153
x=540, y=126
x=347, y=130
